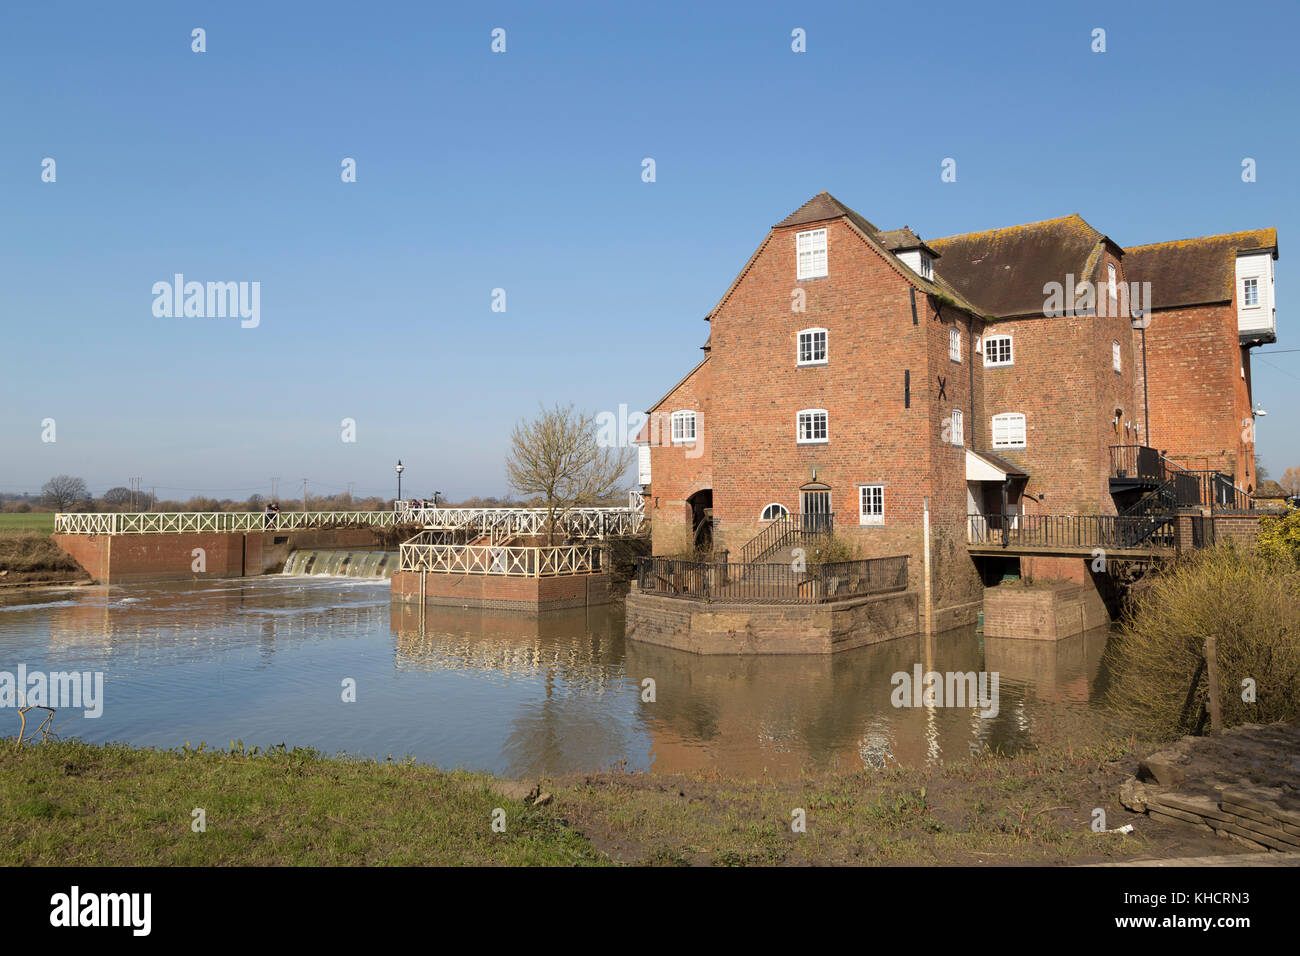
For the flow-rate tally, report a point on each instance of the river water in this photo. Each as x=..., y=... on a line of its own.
x=266, y=661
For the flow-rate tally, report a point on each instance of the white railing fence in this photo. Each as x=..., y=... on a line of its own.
x=505, y=522
x=500, y=523
x=184, y=522
x=526, y=562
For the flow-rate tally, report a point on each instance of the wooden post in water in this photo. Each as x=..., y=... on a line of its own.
x=1212, y=680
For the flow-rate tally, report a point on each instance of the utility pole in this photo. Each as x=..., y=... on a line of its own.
x=304, y=494
x=274, y=489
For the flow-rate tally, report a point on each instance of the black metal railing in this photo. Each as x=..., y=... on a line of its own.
x=1216, y=491
x=1136, y=462
x=787, y=531
x=1072, y=532
x=791, y=583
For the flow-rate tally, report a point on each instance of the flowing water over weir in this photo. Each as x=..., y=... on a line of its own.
x=343, y=564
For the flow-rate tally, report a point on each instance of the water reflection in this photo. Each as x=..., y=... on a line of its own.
x=263, y=659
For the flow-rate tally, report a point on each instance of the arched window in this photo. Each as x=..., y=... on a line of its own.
x=1115, y=359
x=812, y=347
x=773, y=511
x=683, y=427
x=812, y=427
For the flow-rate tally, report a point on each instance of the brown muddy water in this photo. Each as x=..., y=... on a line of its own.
x=266, y=661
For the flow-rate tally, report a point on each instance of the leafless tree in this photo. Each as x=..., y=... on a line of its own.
x=63, y=490
x=557, y=458
x=1291, y=481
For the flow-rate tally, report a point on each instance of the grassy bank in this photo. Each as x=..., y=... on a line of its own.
x=31, y=556
x=66, y=802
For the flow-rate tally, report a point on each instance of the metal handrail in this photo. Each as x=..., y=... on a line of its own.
x=771, y=583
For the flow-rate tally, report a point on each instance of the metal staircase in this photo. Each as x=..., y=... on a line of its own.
x=787, y=531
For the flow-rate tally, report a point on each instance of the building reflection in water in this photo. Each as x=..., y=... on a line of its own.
x=520, y=693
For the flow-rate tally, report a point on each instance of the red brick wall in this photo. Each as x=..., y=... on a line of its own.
x=757, y=389
x=679, y=471
x=1198, y=396
x=1063, y=381
x=500, y=591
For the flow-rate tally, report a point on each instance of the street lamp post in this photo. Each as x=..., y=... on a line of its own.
x=400, y=468
x=1140, y=322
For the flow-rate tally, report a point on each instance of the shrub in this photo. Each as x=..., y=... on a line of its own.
x=1279, y=538
x=1251, y=604
x=838, y=548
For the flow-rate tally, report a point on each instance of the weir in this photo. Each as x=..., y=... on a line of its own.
x=344, y=564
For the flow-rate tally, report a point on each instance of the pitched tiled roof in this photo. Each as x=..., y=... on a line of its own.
x=894, y=239
x=1003, y=271
x=825, y=206
x=1193, y=271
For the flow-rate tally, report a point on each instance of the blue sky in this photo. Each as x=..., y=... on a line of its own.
x=522, y=171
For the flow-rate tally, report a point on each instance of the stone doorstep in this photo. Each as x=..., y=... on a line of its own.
x=1200, y=806
x=1254, y=836
x=1177, y=816
x=1261, y=801
x=1197, y=808
x=1251, y=813
x=1268, y=828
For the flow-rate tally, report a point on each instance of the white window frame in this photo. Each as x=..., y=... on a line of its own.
x=681, y=417
x=1248, y=283
x=1116, y=359
x=1011, y=422
x=1112, y=285
x=807, y=247
x=812, y=333
x=991, y=350
x=812, y=414
x=958, y=434
x=871, y=505
x=764, y=516
x=954, y=344
x=927, y=267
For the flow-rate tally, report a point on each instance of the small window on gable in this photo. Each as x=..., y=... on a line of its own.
x=1009, y=430
x=871, y=504
x=812, y=427
x=958, y=427
x=1112, y=287
x=812, y=347
x=997, y=350
x=954, y=344
x=810, y=252
x=1115, y=358
x=773, y=511
x=683, y=427
x=927, y=267
x=1250, y=293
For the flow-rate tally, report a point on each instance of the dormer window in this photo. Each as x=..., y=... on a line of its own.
x=810, y=253
x=918, y=260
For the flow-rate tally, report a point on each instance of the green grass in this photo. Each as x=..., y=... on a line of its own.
x=33, y=521
x=71, y=803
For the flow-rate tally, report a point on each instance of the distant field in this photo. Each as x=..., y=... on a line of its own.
x=28, y=522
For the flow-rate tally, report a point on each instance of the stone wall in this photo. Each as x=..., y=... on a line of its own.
x=716, y=628
x=502, y=591
x=1043, y=612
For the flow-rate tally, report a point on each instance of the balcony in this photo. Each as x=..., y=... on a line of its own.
x=1134, y=466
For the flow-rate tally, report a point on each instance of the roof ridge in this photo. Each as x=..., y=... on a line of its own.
x=1022, y=225
x=1217, y=235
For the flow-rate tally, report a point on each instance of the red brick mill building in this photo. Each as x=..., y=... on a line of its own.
x=881, y=384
